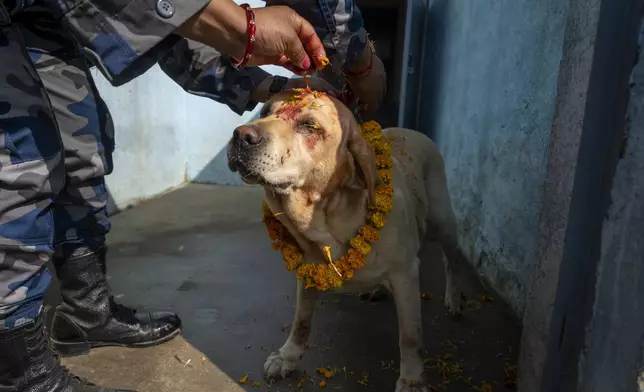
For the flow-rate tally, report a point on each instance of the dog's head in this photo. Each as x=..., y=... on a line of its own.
x=305, y=140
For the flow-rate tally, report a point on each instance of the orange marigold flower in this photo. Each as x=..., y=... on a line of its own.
x=385, y=176
x=372, y=138
x=382, y=147
x=324, y=61
x=358, y=243
x=326, y=277
x=383, y=203
x=377, y=219
x=384, y=162
x=354, y=256
x=335, y=280
x=371, y=126
x=386, y=190
x=273, y=232
x=351, y=261
x=370, y=234
x=305, y=271
x=344, y=268
x=291, y=255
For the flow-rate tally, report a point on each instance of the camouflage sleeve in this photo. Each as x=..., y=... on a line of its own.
x=201, y=70
x=338, y=23
x=123, y=38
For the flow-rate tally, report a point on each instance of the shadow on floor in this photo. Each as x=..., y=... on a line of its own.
x=203, y=252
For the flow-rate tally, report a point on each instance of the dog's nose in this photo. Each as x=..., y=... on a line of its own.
x=247, y=136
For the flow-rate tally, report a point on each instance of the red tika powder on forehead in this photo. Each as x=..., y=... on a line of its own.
x=289, y=111
x=295, y=103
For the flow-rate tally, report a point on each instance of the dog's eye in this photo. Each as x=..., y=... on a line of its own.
x=309, y=125
x=266, y=110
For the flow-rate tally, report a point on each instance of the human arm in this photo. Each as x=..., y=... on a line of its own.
x=202, y=71
x=124, y=38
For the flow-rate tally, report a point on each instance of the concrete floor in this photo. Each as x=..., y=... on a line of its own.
x=203, y=252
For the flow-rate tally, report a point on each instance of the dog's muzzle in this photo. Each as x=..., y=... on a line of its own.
x=246, y=141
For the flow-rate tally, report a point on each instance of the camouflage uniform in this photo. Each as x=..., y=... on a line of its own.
x=57, y=134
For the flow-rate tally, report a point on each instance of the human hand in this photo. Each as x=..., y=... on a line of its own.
x=282, y=36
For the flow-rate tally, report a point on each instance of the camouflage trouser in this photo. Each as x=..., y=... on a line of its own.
x=57, y=138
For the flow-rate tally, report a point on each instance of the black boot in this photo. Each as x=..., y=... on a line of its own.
x=27, y=365
x=88, y=317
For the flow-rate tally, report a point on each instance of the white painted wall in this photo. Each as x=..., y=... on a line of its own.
x=165, y=136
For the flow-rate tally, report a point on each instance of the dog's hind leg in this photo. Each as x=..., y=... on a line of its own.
x=406, y=291
x=282, y=362
x=378, y=294
x=441, y=216
x=453, y=259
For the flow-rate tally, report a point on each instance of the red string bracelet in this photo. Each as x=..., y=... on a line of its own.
x=250, y=26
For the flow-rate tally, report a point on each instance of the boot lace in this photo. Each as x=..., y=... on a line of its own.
x=122, y=312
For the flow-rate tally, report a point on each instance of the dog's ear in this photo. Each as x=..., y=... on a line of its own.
x=364, y=156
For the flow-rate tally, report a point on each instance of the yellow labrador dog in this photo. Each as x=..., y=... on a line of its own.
x=320, y=172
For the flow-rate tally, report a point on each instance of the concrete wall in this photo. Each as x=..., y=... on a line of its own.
x=489, y=88
x=616, y=329
x=582, y=326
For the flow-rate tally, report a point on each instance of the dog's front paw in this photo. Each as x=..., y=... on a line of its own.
x=413, y=386
x=453, y=301
x=277, y=366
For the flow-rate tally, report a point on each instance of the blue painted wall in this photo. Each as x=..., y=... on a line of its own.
x=489, y=85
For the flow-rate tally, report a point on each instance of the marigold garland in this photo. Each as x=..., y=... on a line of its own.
x=332, y=274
